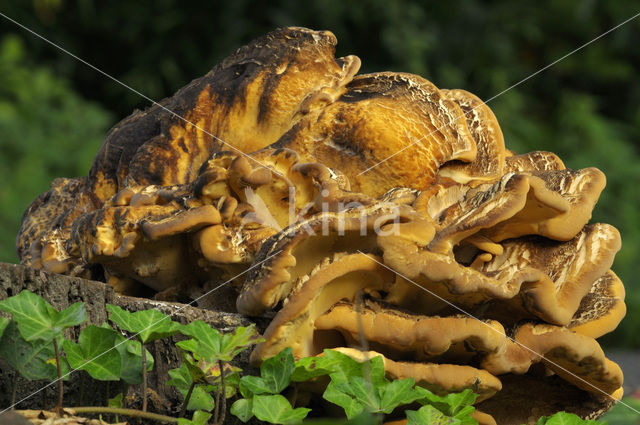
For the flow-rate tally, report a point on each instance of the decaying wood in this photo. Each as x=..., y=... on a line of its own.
x=62, y=291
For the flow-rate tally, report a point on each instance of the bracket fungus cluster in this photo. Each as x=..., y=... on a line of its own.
x=360, y=212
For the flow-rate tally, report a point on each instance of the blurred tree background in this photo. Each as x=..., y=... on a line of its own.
x=54, y=110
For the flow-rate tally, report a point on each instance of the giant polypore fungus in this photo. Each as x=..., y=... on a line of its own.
x=364, y=211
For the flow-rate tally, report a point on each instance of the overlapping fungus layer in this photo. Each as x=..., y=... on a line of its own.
x=373, y=210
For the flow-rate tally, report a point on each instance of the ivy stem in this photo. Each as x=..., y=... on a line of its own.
x=125, y=412
x=185, y=403
x=222, y=410
x=216, y=410
x=144, y=378
x=60, y=392
x=14, y=389
x=125, y=391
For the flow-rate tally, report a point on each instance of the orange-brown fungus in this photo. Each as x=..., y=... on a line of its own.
x=374, y=206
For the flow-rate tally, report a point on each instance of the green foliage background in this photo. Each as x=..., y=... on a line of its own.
x=54, y=110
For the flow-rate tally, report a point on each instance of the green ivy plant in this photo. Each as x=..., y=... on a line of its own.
x=146, y=326
x=39, y=324
x=33, y=343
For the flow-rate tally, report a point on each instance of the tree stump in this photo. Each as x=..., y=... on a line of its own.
x=62, y=291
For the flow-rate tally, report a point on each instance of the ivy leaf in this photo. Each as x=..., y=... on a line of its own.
x=359, y=395
x=213, y=346
x=238, y=341
x=115, y=401
x=94, y=353
x=212, y=373
x=397, y=393
x=340, y=394
x=365, y=393
x=458, y=401
x=37, y=320
x=275, y=375
x=277, y=410
x=199, y=418
x=276, y=371
x=243, y=409
x=376, y=371
x=200, y=399
x=429, y=415
x=308, y=368
x=564, y=418
x=231, y=383
x=130, y=352
x=451, y=404
x=346, y=367
x=197, y=374
x=147, y=325
x=73, y=315
x=250, y=385
x=182, y=380
x=190, y=345
x=33, y=360
x=208, y=341
x=3, y=324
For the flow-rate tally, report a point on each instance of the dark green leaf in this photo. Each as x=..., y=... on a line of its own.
x=115, y=401
x=212, y=345
x=458, y=401
x=397, y=393
x=37, y=319
x=308, y=368
x=564, y=418
x=464, y=416
x=180, y=378
x=277, y=410
x=340, y=394
x=209, y=340
x=254, y=385
x=33, y=360
x=231, y=383
x=376, y=371
x=276, y=371
x=199, y=418
x=429, y=415
x=243, y=409
x=345, y=367
x=95, y=353
x=147, y=325
x=238, y=341
x=365, y=393
x=73, y=315
x=192, y=366
x=451, y=404
x=200, y=399
x=3, y=324
x=188, y=345
x=131, y=360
